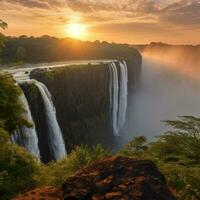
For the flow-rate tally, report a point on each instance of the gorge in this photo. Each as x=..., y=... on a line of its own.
x=105, y=102
x=78, y=104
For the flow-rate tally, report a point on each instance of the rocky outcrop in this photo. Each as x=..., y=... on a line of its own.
x=45, y=193
x=118, y=178
x=115, y=178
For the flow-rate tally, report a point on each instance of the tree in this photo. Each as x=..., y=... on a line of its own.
x=136, y=147
x=182, y=142
x=20, y=53
x=3, y=26
x=11, y=110
x=17, y=168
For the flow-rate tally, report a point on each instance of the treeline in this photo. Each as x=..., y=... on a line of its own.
x=51, y=49
x=184, y=53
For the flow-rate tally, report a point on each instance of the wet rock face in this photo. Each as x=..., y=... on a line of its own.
x=81, y=97
x=38, y=113
x=118, y=178
x=82, y=100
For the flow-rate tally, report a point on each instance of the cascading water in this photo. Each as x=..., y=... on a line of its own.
x=123, y=94
x=55, y=139
x=118, y=89
x=27, y=137
x=114, y=91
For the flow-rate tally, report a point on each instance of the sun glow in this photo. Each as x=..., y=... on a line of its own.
x=76, y=30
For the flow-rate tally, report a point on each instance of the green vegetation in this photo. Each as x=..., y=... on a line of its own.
x=11, y=115
x=176, y=153
x=3, y=25
x=55, y=173
x=17, y=168
x=51, y=49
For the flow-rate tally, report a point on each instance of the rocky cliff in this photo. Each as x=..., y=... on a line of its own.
x=81, y=97
x=114, y=178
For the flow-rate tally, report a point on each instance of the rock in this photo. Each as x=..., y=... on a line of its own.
x=111, y=195
x=44, y=193
x=115, y=178
x=118, y=178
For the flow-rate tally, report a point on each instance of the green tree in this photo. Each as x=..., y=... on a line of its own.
x=135, y=148
x=20, y=54
x=3, y=26
x=182, y=142
x=177, y=154
x=17, y=168
x=57, y=172
x=11, y=115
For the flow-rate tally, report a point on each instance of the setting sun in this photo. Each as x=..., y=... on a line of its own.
x=76, y=30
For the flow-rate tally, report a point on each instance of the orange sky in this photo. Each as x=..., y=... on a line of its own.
x=126, y=21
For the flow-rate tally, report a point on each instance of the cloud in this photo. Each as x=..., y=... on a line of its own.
x=185, y=12
x=179, y=12
x=29, y=3
x=139, y=16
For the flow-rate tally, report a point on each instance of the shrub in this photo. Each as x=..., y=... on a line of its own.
x=11, y=115
x=57, y=172
x=17, y=168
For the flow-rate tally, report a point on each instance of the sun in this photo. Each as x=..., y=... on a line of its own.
x=76, y=30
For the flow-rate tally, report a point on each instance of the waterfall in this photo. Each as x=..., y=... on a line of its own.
x=118, y=88
x=55, y=139
x=25, y=136
x=114, y=92
x=123, y=94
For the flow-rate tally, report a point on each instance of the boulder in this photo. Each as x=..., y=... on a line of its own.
x=114, y=178
x=118, y=178
x=44, y=193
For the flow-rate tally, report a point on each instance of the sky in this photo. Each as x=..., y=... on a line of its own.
x=124, y=21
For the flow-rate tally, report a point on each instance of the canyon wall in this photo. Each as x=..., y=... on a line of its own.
x=81, y=97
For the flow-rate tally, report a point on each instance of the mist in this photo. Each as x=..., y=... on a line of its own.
x=169, y=88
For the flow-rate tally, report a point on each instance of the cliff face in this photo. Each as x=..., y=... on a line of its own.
x=111, y=178
x=38, y=113
x=82, y=101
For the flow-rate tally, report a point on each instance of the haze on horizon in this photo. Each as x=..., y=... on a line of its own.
x=126, y=21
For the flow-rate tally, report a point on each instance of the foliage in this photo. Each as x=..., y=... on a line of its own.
x=20, y=53
x=182, y=143
x=51, y=49
x=16, y=168
x=184, y=180
x=135, y=148
x=176, y=153
x=57, y=172
x=3, y=26
x=11, y=115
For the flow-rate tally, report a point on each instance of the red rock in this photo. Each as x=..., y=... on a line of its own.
x=115, y=178
x=113, y=194
x=44, y=193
